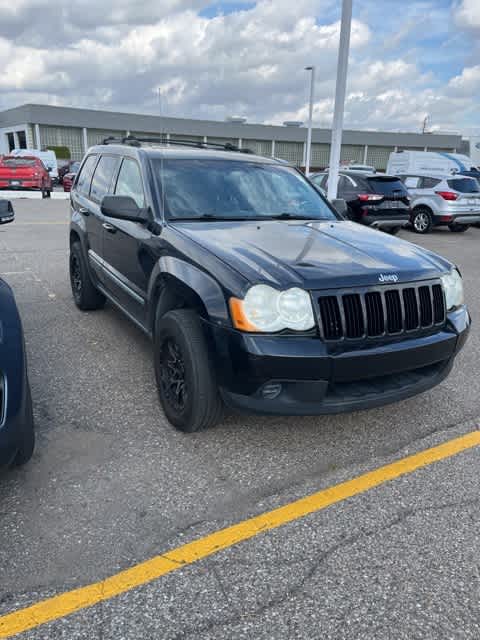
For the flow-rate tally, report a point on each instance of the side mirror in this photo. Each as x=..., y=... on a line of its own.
x=123, y=208
x=340, y=206
x=7, y=213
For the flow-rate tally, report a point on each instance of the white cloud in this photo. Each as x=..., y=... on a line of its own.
x=467, y=83
x=250, y=62
x=467, y=14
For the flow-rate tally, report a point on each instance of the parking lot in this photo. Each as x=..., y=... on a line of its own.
x=112, y=484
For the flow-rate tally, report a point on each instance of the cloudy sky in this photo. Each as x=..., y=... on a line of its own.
x=408, y=58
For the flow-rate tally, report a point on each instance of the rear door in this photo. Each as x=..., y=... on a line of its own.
x=128, y=259
x=93, y=183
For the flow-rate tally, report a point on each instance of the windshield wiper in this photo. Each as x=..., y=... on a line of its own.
x=292, y=216
x=206, y=216
x=256, y=218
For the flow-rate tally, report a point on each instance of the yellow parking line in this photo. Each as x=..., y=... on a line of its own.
x=71, y=601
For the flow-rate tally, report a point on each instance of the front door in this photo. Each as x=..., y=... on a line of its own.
x=128, y=259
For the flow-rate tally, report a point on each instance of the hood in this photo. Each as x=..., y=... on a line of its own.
x=314, y=255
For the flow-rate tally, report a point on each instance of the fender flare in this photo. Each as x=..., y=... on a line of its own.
x=202, y=285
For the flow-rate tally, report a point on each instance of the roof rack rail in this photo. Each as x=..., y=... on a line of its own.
x=135, y=141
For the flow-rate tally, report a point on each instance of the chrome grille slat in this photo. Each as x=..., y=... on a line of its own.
x=374, y=312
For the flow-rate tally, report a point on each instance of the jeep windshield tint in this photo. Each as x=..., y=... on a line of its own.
x=197, y=189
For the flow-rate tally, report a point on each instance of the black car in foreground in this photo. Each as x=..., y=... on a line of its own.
x=255, y=292
x=17, y=437
x=373, y=199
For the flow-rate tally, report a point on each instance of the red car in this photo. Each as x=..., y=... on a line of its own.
x=69, y=177
x=26, y=172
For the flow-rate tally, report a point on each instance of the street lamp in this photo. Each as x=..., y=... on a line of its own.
x=337, y=127
x=310, y=116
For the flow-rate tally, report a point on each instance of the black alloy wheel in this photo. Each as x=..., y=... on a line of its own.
x=85, y=295
x=172, y=375
x=186, y=381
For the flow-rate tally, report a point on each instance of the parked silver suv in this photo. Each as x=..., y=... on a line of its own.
x=452, y=200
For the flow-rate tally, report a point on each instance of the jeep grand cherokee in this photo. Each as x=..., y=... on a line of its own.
x=255, y=292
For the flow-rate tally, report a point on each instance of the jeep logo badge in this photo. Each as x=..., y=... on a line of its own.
x=388, y=278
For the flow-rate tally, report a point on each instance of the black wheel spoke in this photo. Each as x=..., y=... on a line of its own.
x=172, y=375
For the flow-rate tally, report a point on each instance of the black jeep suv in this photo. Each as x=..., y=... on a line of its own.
x=255, y=292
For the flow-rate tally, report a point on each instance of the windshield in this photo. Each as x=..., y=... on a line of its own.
x=464, y=185
x=18, y=162
x=229, y=189
x=74, y=167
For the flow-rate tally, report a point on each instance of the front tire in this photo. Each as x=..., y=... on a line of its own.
x=186, y=383
x=422, y=220
x=458, y=228
x=85, y=294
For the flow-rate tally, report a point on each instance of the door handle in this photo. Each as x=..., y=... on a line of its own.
x=109, y=227
x=84, y=211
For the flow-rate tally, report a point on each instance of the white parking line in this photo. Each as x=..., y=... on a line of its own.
x=33, y=195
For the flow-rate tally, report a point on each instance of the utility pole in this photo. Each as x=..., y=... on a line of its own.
x=338, y=113
x=308, y=151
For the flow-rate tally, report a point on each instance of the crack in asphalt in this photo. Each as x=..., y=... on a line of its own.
x=398, y=520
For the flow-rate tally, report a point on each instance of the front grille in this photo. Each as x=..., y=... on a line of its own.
x=379, y=312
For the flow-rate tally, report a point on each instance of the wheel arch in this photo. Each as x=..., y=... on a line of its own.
x=178, y=284
x=74, y=237
x=422, y=205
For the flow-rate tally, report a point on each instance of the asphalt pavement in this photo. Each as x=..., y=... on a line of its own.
x=112, y=484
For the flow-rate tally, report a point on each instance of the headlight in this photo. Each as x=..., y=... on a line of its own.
x=453, y=287
x=265, y=309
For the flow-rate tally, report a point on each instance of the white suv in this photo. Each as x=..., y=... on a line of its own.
x=452, y=200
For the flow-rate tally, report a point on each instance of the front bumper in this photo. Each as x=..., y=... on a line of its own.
x=290, y=375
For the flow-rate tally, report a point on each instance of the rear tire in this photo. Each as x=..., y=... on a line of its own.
x=27, y=445
x=422, y=220
x=186, y=383
x=458, y=228
x=85, y=294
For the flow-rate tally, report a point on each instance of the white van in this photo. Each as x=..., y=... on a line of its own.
x=430, y=162
x=48, y=158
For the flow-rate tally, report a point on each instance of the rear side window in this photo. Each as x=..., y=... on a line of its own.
x=102, y=178
x=387, y=186
x=464, y=185
x=429, y=183
x=412, y=182
x=129, y=182
x=318, y=180
x=85, y=177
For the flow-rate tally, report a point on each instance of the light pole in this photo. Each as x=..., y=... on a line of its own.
x=337, y=127
x=310, y=116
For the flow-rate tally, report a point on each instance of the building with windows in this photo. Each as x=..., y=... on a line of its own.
x=43, y=126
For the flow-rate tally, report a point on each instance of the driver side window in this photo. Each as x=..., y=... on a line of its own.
x=129, y=182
